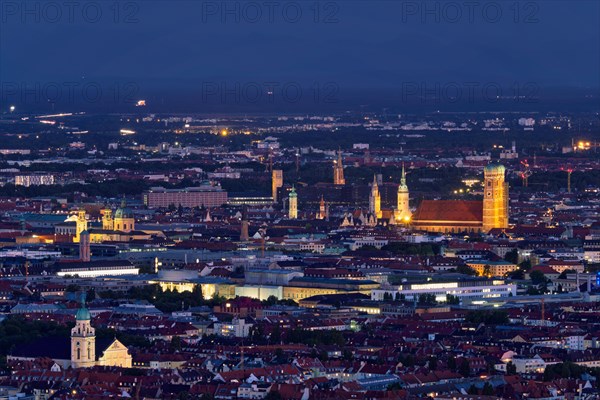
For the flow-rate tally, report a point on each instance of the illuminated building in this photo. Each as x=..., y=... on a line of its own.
x=293, y=204
x=80, y=225
x=456, y=216
x=34, y=180
x=84, y=348
x=495, y=198
x=322, y=209
x=375, y=200
x=473, y=289
x=83, y=340
x=338, y=171
x=205, y=195
x=492, y=268
x=94, y=269
x=276, y=182
x=402, y=213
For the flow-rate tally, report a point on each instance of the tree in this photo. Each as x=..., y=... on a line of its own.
x=276, y=334
x=175, y=343
x=525, y=265
x=511, y=368
x=450, y=299
x=487, y=270
x=537, y=277
x=512, y=256
x=473, y=390
x=273, y=395
x=452, y=364
x=465, y=368
x=465, y=269
x=488, y=389
x=432, y=363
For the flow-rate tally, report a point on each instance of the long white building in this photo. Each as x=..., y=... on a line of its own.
x=467, y=290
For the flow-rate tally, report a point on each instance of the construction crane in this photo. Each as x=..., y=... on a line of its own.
x=569, y=172
x=525, y=173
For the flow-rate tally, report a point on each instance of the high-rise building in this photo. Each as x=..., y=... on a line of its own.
x=205, y=195
x=375, y=199
x=277, y=182
x=293, y=204
x=338, y=170
x=403, y=214
x=495, y=198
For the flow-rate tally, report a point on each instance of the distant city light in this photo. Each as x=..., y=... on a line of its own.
x=12, y=109
x=125, y=132
x=141, y=103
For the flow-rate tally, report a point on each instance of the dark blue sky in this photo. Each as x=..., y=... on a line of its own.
x=375, y=45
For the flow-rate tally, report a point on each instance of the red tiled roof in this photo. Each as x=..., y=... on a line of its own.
x=449, y=210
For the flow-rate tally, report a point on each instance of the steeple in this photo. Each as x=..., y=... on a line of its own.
x=83, y=339
x=402, y=213
x=403, y=178
x=375, y=199
x=293, y=204
x=338, y=170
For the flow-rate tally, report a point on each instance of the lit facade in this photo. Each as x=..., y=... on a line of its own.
x=402, y=213
x=293, y=204
x=276, y=182
x=495, y=198
x=375, y=200
x=338, y=171
x=468, y=290
x=206, y=195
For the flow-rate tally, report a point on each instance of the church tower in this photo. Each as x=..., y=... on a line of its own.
x=375, y=200
x=322, y=209
x=80, y=225
x=338, y=170
x=495, y=198
x=293, y=204
x=83, y=340
x=107, y=220
x=403, y=214
x=276, y=182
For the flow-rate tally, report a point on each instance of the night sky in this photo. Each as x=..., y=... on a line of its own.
x=172, y=48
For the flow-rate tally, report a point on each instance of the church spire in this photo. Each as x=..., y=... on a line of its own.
x=403, y=179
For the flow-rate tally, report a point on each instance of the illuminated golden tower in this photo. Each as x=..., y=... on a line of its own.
x=375, y=199
x=293, y=205
x=80, y=225
x=403, y=214
x=495, y=198
x=338, y=170
x=322, y=212
x=107, y=220
x=276, y=182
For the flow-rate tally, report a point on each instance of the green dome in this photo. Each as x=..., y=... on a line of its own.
x=494, y=168
x=83, y=314
x=123, y=213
